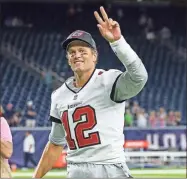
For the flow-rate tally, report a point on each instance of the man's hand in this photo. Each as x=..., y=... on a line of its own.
x=108, y=28
x=50, y=155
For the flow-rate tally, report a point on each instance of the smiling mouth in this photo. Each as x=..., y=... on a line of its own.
x=78, y=62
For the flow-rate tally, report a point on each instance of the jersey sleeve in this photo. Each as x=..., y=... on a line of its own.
x=110, y=80
x=54, y=114
x=57, y=134
x=131, y=82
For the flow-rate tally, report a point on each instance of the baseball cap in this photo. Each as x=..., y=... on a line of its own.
x=79, y=35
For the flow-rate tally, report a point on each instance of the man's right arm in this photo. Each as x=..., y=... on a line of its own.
x=54, y=147
x=52, y=150
x=49, y=157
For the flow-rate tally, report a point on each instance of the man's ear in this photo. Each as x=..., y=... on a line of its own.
x=95, y=53
x=67, y=59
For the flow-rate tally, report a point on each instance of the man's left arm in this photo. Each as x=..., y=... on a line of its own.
x=130, y=82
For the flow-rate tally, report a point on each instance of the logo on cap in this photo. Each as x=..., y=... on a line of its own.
x=77, y=34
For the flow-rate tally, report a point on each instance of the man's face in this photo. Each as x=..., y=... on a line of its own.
x=80, y=56
x=9, y=107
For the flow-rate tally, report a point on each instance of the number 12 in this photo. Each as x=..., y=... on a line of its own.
x=82, y=141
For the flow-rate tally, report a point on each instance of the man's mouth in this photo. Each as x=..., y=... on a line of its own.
x=76, y=62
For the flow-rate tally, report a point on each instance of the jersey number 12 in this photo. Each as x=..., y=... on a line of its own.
x=82, y=126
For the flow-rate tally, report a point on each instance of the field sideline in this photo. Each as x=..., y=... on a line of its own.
x=137, y=173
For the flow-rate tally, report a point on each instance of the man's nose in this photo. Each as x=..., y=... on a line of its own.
x=77, y=55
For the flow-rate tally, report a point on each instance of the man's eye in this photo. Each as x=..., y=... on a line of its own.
x=81, y=51
x=71, y=53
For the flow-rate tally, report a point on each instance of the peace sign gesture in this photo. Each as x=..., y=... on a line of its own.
x=108, y=28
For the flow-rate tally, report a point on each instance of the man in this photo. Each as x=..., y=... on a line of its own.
x=141, y=119
x=90, y=106
x=9, y=113
x=29, y=149
x=128, y=118
x=30, y=115
x=6, y=147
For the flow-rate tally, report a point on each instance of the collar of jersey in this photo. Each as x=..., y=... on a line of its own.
x=69, y=83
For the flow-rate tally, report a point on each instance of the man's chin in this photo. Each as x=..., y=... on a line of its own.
x=78, y=70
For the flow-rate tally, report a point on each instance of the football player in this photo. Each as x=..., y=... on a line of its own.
x=87, y=111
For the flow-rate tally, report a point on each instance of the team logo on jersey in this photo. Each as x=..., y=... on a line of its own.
x=75, y=97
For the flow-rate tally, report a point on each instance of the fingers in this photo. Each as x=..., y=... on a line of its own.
x=98, y=18
x=115, y=24
x=104, y=14
x=101, y=29
x=110, y=21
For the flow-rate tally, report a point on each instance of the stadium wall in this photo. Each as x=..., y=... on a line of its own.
x=159, y=139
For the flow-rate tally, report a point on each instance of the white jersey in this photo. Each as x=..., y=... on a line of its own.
x=89, y=118
x=92, y=121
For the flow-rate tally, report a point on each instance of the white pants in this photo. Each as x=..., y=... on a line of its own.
x=30, y=123
x=89, y=170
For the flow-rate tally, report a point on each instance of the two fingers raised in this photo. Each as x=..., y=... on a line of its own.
x=104, y=15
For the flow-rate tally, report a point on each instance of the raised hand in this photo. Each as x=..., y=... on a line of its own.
x=108, y=28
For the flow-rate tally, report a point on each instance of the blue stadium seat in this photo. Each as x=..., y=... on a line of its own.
x=166, y=85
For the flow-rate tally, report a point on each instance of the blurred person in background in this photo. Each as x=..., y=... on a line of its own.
x=16, y=119
x=120, y=14
x=177, y=118
x=29, y=149
x=141, y=119
x=9, y=113
x=127, y=105
x=142, y=21
x=47, y=75
x=135, y=110
x=165, y=33
x=152, y=119
x=6, y=147
x=128, y=118
x=162, y=117
x=13, y=22
x=149, y=29
x=30, y=115
x=171, y=119
x=144, y=113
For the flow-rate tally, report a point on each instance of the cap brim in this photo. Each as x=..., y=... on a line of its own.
x=65, y=43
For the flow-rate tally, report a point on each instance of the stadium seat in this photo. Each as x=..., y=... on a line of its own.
x=166, y=84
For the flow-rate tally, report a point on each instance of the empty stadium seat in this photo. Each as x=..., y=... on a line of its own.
x=166, y=86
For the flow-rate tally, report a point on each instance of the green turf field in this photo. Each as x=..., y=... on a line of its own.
x=136, y=173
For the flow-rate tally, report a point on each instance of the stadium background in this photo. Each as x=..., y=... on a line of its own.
x=32, y=65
